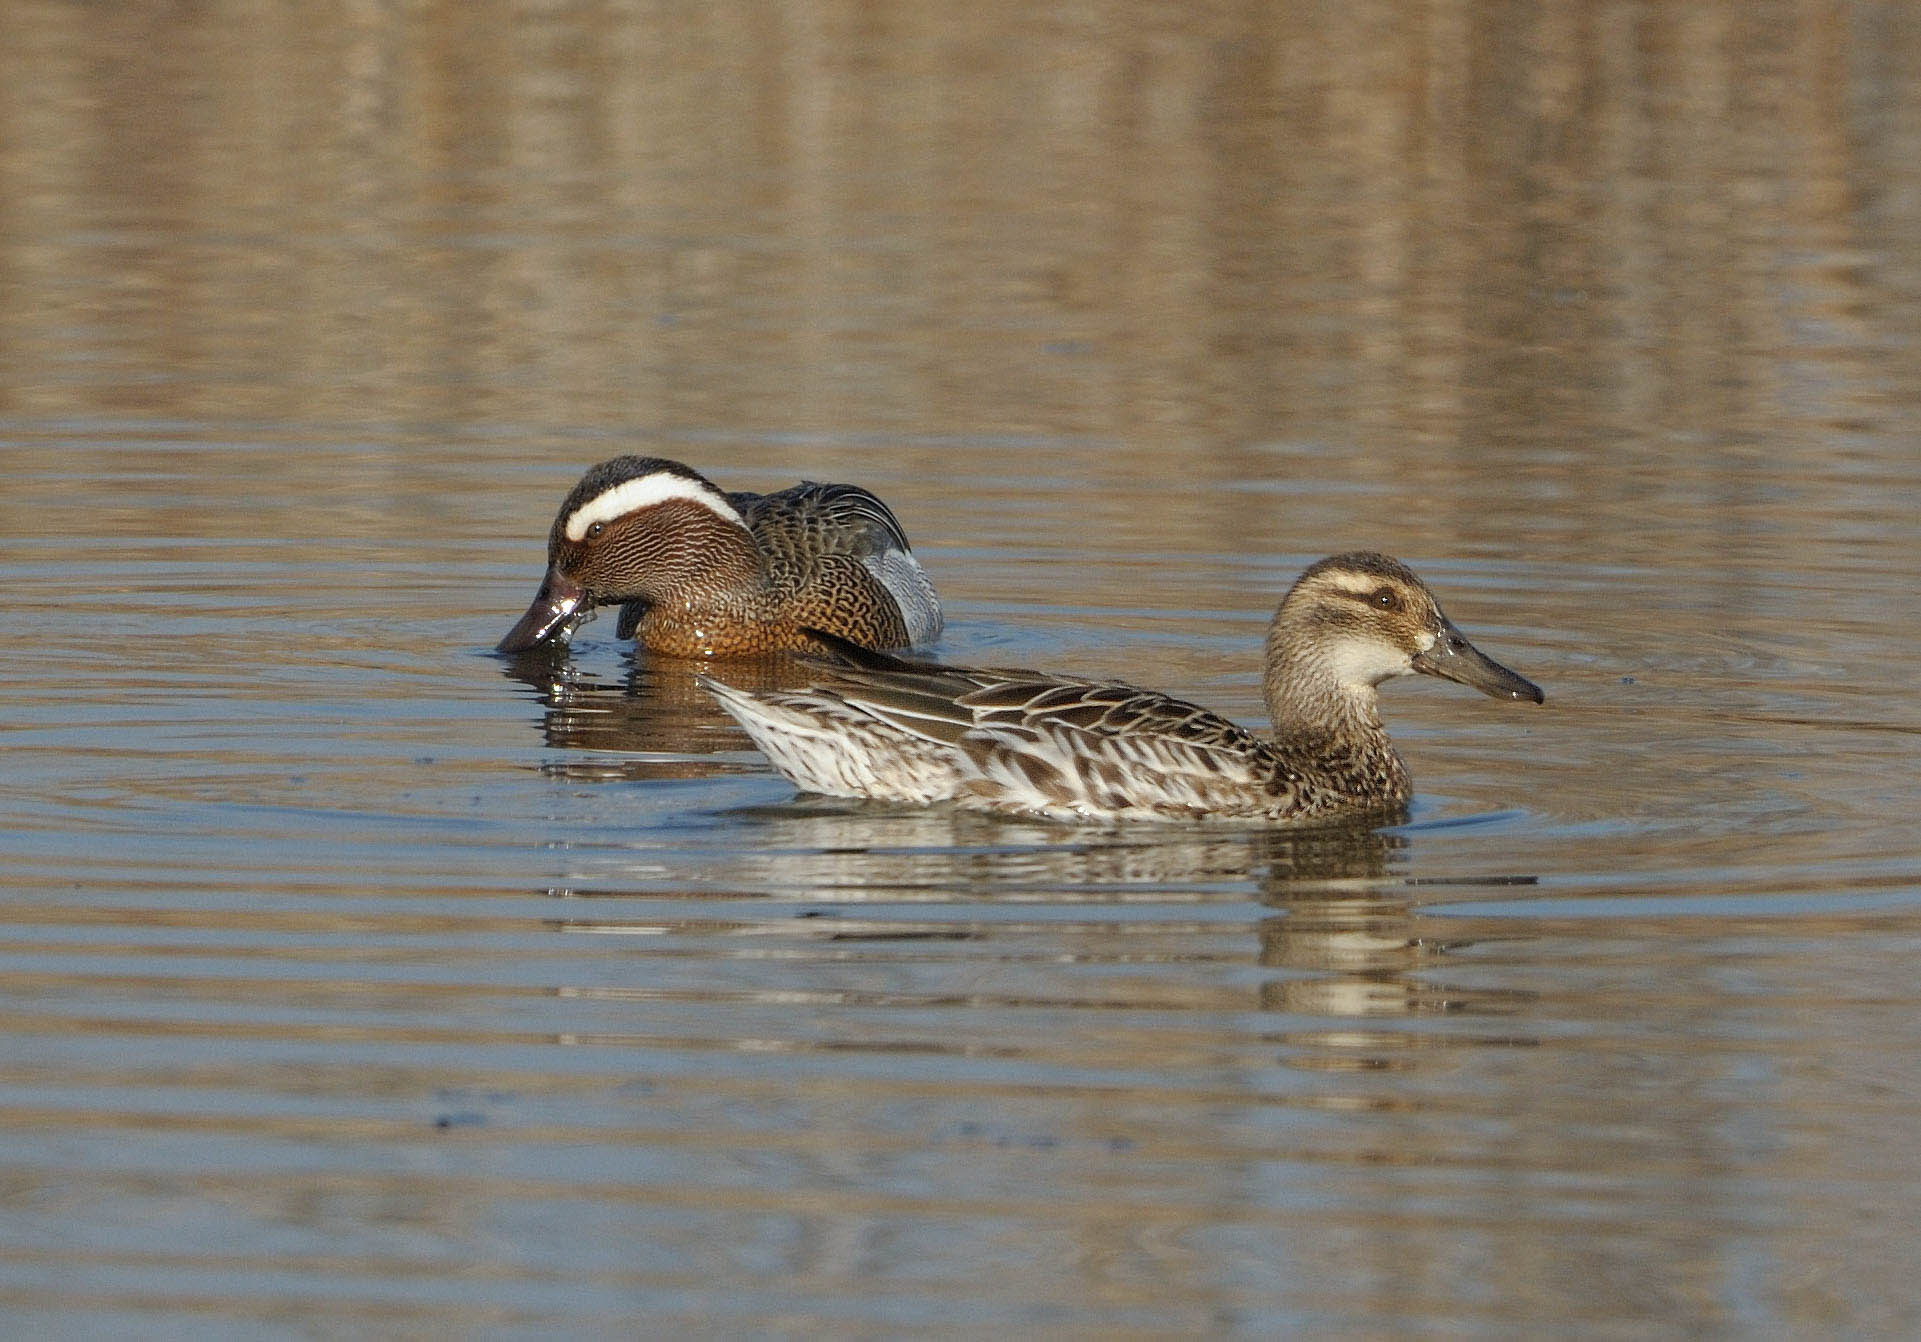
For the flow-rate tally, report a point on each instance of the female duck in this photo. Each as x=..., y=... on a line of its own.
x=1026, y=743
x=701, y=573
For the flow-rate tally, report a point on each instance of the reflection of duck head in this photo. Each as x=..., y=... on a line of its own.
x=661, y=723
x=1353, y=945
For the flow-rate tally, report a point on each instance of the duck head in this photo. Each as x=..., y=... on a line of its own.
x=635, y=529
x=1354, y=620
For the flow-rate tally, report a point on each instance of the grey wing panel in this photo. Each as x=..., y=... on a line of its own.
x=913, y=591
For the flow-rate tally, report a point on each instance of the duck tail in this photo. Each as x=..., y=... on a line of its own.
x=837, y=651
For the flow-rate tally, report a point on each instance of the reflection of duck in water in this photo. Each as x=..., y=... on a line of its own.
x=1027, y=743
x=839, y=845
x=1348, y=942
x=702, y=573
x=1363, y=955
x=661, y=723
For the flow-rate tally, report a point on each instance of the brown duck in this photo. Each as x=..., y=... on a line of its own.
x=699, y=572
x=1026, y=743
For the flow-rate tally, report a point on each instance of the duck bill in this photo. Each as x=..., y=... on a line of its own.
x=557, y=608
x=1454, y=658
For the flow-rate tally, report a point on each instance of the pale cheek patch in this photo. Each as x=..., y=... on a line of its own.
x=1366, y=662
x=645, y=492
x=1426, y=640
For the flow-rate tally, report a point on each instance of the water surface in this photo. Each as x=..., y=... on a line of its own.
x=355, y=981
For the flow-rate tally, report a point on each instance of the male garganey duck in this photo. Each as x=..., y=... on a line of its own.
x=1026, y=743
x=702, y=573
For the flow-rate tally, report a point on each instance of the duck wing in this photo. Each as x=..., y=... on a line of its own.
x=814, y=533
x=1059, y=744
x=815, y=518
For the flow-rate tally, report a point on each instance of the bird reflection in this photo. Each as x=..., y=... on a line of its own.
x=874, y=848
x=1347, y=937
x=657, y=719
x=1353, y=944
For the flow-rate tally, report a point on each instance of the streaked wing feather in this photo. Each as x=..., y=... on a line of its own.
x=1104, y=709
x=932, y=716
x=853, y=508
x=835, y=518
x=1067, y=767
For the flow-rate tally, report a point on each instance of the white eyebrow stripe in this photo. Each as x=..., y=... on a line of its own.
x=648, y=490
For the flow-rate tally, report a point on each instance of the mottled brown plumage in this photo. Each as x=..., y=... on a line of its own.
x=1025, y=742
x=701, y=573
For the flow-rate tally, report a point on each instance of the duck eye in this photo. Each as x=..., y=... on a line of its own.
x=594, y=532
x=1386, y=598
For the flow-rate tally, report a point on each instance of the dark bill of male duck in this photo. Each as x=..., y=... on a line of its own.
x=1066, y=747
x=701, y=572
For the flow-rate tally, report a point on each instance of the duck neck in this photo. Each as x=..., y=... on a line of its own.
x=709, y=565
x=1327, y=728
x=703, y=574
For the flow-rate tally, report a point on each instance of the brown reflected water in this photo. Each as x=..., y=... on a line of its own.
x=354, y=980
